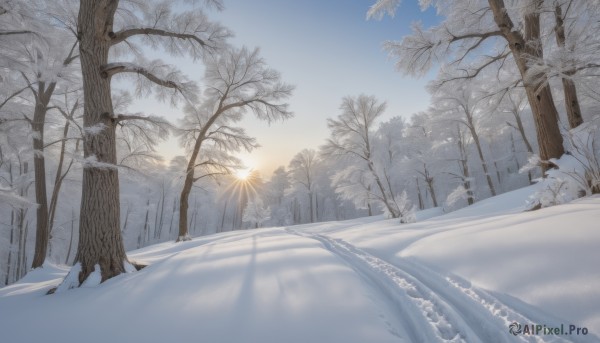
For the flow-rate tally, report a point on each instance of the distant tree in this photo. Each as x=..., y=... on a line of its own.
x=302, y=171
x=352, y=137
x=256, y=213
x=421, y=155
x=237, y=81
x=458, y=104
x=275, y=196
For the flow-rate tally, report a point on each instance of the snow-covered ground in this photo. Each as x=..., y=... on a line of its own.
x=463, y=276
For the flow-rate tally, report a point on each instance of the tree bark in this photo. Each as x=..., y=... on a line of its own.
x=571, y=99
x=524, y=48
x=100, y=241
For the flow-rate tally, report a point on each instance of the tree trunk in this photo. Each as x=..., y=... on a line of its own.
x=10, y=247
x=524, y=48
x=432, y=191
x=522, y=130
x=421, y=207
x=482, y=159
x=312, y=211
x=23, y=228
x=393, y=212
x=100, y=241
x=39, y=166
x=369, y=207
x=72, y=235
x=571, y=99
x=146, y=230
x=465, y=169
x=189, y=176
x=429, y=181
x=58, y=184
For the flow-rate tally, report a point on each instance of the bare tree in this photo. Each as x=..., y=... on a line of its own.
x=237, y=81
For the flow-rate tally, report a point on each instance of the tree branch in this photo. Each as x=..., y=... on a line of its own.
x=111, y=69
x=118, y=37
x=19, y=32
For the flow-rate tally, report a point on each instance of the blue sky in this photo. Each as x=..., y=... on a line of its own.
x=328, y=50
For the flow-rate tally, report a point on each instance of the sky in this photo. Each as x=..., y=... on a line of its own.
x=327, y=50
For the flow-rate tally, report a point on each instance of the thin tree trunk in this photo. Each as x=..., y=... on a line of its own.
x=172, y=217
x=571, y=99
x=57, y=185
x=12, y=231
x=72, y=235
x=484, y=165
x=10, y=247
x=39, y=118
x=465, y=169
x=162, y=211
x=146, y=224
x=312, y=212
x=524, y=48
x=369, y=207
x=100, y=240
x=521, y=129
x=421, y=207
x=432, y=191
x=386, y=201
x=223, y=217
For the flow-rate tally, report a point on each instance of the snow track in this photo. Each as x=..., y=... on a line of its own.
x=427, y=306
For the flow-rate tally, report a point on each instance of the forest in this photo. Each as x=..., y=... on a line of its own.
x=515, y=101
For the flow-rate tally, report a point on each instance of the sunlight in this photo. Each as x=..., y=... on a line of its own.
x=243, y=174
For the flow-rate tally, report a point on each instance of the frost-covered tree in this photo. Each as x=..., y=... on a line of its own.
x=422, y=158
x=302, y=170
x=460, y=104
x=512, y=31
x=238, y=81
x=256, y=213
x=104, y=28
x=352, y=137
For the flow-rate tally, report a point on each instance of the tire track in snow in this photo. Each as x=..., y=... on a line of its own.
x=410, y=306
x=431, y=307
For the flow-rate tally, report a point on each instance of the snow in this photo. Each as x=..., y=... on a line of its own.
x=463, y=276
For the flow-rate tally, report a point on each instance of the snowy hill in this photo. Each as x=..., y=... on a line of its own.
x=464, y=276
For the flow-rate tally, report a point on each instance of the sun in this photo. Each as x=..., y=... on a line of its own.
x=243, y=174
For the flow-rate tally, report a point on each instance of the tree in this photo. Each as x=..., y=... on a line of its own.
x=256, y=213
x=569, y=88
x=100, y=31
x=458, y=104
x=42, y=86
x=352, y=138
x=469, y=26
x=302, y=170
x=421, y=154
x=237, y=81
